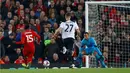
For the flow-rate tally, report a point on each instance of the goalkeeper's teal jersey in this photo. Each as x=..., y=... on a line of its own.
x=90, y=42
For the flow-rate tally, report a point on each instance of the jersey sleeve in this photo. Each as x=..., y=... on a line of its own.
x=36, y=35
x=22, y=39
x=62, y=25
x=83, y=43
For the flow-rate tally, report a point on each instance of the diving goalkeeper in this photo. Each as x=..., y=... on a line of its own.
x=89, y=47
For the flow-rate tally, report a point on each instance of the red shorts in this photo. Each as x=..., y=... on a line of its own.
x=28, y=52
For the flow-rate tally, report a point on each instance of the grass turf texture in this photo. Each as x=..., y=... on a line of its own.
x=90, y=70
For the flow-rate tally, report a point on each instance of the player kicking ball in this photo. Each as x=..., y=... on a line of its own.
x=27, y=39
x=88, y=47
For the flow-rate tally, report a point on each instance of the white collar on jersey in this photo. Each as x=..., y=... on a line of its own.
x=68, y=20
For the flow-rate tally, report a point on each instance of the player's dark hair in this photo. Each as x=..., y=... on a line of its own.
x=68, y=14
x=86, y=32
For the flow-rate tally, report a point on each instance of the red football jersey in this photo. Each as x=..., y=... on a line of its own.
x=27, y=38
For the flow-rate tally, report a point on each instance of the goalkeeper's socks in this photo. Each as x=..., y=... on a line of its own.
x=79, y=58
x=100, y=58
x=97, y=63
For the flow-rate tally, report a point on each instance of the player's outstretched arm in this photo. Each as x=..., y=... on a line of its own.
x=57, y=31
x=78, y=33
x=77, y=30
x=36, y=35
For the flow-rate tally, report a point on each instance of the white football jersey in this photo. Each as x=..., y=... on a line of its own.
x=68, y=29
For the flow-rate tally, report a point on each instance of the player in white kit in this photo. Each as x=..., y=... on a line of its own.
x=67, y=30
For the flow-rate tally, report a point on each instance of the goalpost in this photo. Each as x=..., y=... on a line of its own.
x=109, y=23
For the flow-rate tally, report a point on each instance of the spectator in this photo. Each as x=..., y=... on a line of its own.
x=52, y=5
x=52, y=19
x=42, y=15
x=44, y=23
x=27, y=11
x=51, y=49
x=18, y=52
x=79, y=13
x=8, y=18
x=20, y=25
x=55, y=27
x=2, y=49
x=81, y=27
x=60, y=6
x=21, y=15
x=47, y=34
x=9, y=31
x=38, y=25
x=40, y=61
x=6, y=60
x=12, y=7
x=111, y=34
x=16, y=21
x=105, y=53
x=73, y=17
x=3, y=10
x=33, y=25
x=26, y=19
x=52, y=10
x=37, y=13
x=20, y=11
x=106, y=39
x=68, y=3
x=17, y=4
x=40, y=4
x=61, y=17
x=20, y=60
x=31, y=6
x=55, y=58
x=32, y=15
x=8, y=43
x=68, y=9
x=12, y=23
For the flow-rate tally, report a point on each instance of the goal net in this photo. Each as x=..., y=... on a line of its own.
x=109, y=23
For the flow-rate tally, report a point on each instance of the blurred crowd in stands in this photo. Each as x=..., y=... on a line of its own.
x=45, y=16
x=114, y=32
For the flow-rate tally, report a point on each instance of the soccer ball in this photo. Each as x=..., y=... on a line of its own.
x=46, y=63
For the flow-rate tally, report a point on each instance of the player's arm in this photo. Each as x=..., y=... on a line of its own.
x=22, y=39
x=36, y=35
x=83, y=43
x=59, y=29
x=77, y=29
x=83, y=46
x=78, y=32
x=93, y=42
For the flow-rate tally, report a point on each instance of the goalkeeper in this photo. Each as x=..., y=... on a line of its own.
x=88, y=47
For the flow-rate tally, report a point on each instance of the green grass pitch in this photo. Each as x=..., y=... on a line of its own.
x=89, y=70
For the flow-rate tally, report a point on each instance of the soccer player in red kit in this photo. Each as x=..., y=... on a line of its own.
x=27, y=39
